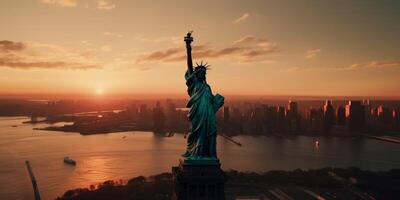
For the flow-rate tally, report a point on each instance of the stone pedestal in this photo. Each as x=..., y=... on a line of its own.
x=198, y=180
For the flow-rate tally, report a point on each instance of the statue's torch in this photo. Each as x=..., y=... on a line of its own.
x=188, y=38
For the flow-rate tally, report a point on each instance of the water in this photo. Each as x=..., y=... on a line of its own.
x=109, y=156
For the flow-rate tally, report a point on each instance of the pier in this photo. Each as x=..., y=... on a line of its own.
x=230, y=139
x=33, y=179
x=384, y=138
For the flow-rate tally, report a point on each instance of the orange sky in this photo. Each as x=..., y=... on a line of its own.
x=255, y=47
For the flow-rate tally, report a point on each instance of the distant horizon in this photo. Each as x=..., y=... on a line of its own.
x=153, y=96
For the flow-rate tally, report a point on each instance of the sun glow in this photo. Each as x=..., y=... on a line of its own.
x=99, y=91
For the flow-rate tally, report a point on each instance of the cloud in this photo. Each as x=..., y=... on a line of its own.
x=242, y=18
x=358, y=66
x=97, y=4
x=113, y=34
x=48, y=65
x=46, y=56
x=105, y=48
x=383, y=64
x=159, y=55
x=245, y=39
x=292, y=69
x=6, y=45
x=245, y=50
x=312, y=53
x=252, y=40
x=354, y=66
x=105, y=5
x=62, y=3
x=373, y=64
x=171, y=39
x=86, y=43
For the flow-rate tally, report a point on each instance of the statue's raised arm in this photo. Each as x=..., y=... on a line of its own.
x=188, y=40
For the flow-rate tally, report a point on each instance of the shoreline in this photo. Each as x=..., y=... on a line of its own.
x=348, y=182
x=70, y=129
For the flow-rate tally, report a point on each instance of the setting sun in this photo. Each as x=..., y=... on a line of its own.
x=99, y=91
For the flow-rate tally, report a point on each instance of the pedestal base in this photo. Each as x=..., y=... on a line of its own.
x=195, y=181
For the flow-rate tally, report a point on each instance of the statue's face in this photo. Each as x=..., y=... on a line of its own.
x=201, y=75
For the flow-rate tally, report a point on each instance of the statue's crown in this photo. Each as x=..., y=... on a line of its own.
x=202, y=67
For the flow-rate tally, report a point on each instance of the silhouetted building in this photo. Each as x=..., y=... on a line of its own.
x=292, y=110
x=271, y=118
x=292, y=116
x=172, y=118
x=385, y=115
x=226, y=115
x=367, y=109
x=396, y=118
x=225, y=126
x=144, y=117
x=341, y=116
x=257, y=120
x=280, y=122
x=355, y=114
x=158, y=119
x=316, y=117
x=143, y=109
x=329, y=115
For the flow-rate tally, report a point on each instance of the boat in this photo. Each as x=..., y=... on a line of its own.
x=68, y=160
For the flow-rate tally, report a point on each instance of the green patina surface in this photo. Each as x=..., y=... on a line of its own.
x=201, y=139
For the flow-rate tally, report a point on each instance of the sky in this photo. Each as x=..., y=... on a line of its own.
x=129, y=47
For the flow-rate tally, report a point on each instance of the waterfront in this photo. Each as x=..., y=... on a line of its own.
x=109, y=156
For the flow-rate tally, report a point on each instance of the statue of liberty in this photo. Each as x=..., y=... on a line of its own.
x=201, y=139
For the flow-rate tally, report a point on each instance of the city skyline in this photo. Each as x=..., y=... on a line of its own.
x=266, y=48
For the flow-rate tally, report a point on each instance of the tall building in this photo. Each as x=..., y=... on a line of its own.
x=158, y=119
x=257, y=120
x=396, y=118
x=367, y=109
x=292, y=110
x=292, y=116
x=143, y=109
x=144, y=117
x=172, y=116
x=226, y=114
x=316, y=117
x=225, y=126
x=281, y=119
x=329, y=115
x=384, y=114
x=236, y=120
x=355, y=114
x=341, y=116
x=271, y=118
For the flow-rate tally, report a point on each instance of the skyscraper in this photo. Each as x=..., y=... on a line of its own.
x=292, y=115
x=385, y=115
x=355, y=114
x=315, y=117
x=292, y=110
x=329, y=115
x=281, y=119
x=226, y=114
x=158, y=119
x=341, y=116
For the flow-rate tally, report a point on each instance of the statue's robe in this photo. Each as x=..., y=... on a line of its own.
x=201, y=139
